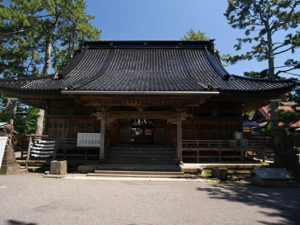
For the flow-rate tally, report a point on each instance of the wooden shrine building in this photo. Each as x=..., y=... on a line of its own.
x=171, y=98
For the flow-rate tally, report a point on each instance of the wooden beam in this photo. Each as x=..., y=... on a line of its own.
x=140, y=101
x=145, y=114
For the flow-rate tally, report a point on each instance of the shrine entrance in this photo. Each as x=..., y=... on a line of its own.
x=143, y=131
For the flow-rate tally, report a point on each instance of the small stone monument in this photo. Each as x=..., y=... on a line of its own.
x=272, y=177
x=9, y=162
x=58, y=167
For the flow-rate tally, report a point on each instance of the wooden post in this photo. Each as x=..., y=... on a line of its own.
x=242, y=154
x=179, y=138
x=220, y=156
x=55, y=150
x=265, y=147
x=28, y=151
x=102, y=135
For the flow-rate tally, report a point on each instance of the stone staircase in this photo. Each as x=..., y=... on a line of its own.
x=141, y=154
x=138, y=174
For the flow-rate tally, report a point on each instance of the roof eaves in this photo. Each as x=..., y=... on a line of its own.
x=291, y=80
x=82, y=92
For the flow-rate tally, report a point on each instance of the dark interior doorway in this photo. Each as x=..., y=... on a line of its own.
x=143, y=131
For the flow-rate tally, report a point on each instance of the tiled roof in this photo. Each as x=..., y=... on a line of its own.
x=145, y=66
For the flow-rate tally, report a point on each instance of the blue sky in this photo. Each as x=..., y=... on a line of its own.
x=170, y=20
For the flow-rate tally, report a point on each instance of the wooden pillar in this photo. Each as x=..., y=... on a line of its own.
x=28, y=151
x=179, y=138
x=102, y=135
x=70, y=121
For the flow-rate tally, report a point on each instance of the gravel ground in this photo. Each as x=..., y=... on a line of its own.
x=30, y=199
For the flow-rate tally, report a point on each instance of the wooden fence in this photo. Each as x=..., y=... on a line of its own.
x=195, y=150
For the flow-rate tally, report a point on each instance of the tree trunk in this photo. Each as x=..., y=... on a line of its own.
x=46, y=69
x=14, y=111
x=7, y=106
x=271, y=69
x=40, y=122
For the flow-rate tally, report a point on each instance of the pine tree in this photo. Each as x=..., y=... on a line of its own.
x=262, y=21
x=30, y=30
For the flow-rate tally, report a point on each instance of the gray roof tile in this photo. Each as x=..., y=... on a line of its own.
x=145, y=66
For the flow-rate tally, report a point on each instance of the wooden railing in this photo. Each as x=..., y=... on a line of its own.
x=221, y=149
x=60, y=147
x=67, y=147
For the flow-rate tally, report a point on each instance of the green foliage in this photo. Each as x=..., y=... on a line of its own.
x=27, y=26
x=28, y=31
x=25, y=118
x=284, y=138
x=191, y=35
x=261, y=20
x=26, y=123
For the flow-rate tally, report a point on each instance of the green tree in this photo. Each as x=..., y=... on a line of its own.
x=270, y=29
x=262, y=21
x=191, y=35
x=18, y=50
x=30, y=29
x=284, y=138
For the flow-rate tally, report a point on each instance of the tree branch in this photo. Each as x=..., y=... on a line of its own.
x=275, y=26
x=285, y=50
x=285, y=71
x=279, y=46
x=294, y=74
x=14, y=32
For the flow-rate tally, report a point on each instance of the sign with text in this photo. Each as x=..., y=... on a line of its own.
x=3, y=141
x=88, y=140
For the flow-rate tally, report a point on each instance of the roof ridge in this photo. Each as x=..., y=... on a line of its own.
x=147, y=44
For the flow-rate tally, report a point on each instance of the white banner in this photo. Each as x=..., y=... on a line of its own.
x=88, y=140
x=3, y=141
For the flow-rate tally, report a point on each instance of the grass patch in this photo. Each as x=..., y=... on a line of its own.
x=225, y=182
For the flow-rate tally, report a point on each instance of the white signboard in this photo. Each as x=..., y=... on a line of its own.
x=88, y=140
x=3, y=141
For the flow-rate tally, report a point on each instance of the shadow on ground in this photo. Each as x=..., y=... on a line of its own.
x=16, y=222
x=286, y=201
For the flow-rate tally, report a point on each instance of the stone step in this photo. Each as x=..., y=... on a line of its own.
x=128, y=167
x=139, y=167
x=141, y=152
x=142, y=161
x=142, y=148
x=137, y=172
x=171, y=157
x=138, y=176
x=140, y=155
